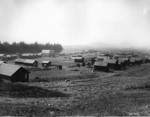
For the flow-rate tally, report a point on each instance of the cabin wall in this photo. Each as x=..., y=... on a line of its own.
x=101, y=68
x=20, y=76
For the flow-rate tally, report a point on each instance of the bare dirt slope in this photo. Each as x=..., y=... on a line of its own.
x=114, y=94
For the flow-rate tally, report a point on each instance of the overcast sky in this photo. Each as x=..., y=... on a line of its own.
x=76, y=22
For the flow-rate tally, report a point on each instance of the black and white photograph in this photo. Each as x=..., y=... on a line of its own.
x=74, y=58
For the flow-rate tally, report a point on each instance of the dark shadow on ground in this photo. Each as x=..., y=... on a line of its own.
x=8, y=109
x=19, y=90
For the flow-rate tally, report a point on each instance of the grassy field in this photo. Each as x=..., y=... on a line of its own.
x=78, y=91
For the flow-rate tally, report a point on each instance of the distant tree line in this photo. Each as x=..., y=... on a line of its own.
x=23, y=47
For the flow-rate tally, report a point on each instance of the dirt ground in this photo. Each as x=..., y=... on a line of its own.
x=74, y=91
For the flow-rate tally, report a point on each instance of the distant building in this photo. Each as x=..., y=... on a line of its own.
x=78, y=58
x=14, y=73
x=101, y=66
x=111, y=62
x=19, y=61
x=48, y=53
x=2, y=56
x=46, y=63
x=101, y=58
x=31, y=62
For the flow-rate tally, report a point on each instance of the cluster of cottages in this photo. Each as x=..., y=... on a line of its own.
x=110, y=63
x=103, y=62
x=17, y=72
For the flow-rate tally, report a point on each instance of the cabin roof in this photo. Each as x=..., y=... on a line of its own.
x=45, y=61
x=20, y=60
x=102, y=63
x=9, y=69
x=112, y=61
x=29, y=61
x=1, y=62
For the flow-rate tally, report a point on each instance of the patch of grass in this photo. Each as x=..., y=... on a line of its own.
x=7, y=109
x=144, y=86
x=20, y=90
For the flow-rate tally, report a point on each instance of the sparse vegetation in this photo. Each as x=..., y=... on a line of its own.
x=77, y=91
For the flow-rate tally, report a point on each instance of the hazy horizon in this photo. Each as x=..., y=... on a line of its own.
x=116, y=23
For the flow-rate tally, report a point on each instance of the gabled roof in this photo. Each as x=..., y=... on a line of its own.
x=102, y=57
x=45, y=61
x=2, y=55
x=20, y=60
x=102, y=63
x=1, y=62
x=31, y=61
x=132, y=59
x=112, y=61
x=138, y=59
x=9, y=69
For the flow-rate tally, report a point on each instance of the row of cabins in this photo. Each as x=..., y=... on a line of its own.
x=5, y=57
x=30, y=55
x=28, y=62
x=32, y=62
x=108, y=64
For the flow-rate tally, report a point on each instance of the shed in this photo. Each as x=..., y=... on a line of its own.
x=79, y=59
x=101, y=66
x=138, y=61
x=1, y=62
x=101, y=58
x=19, y=61
x=112, y=63
x=46, y=63
x=14, y=73
x=132, y=61
x=30, y=62
x=122, y=63
x=2, y=56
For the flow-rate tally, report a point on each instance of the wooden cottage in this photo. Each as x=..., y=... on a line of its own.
x=31, y=62
x=122, y=63
x=79, y=59
x=102, y=58
x=101, y=66
x=138, y=61
x=1, y=62
x=19, y=61
x=13, y=73
x=46, y=63
x=132, y=61
x=112, y=63
x=2, y=56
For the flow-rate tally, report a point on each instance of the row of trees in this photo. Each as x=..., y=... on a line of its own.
x=23, y=47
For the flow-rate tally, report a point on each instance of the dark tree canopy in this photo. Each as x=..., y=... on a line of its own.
x=23, y=47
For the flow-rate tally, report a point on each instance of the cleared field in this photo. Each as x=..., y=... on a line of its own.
x=78, y=91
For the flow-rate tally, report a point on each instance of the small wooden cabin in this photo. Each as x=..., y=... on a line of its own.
x=101, y=66
x=13, y=73
x=132, y=61
x=31, y=62
x=19, y=61
x=46, y=63
x=79, y=59
x=2, y=56
x=112, y=63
